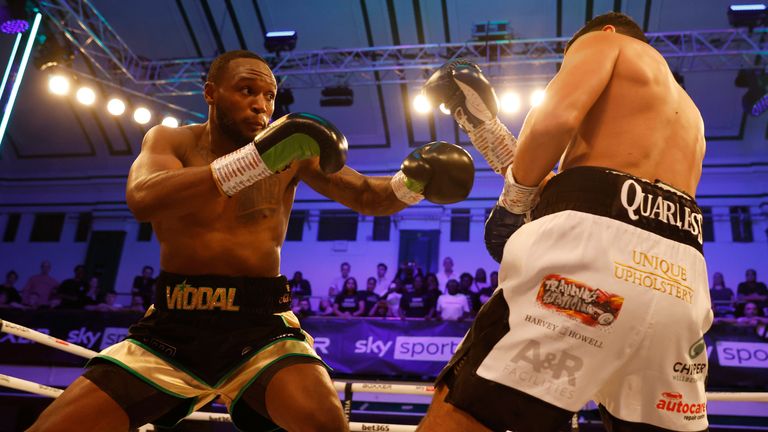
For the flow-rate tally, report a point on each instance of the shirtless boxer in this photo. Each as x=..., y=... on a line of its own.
x=219, y=196
x=603, y=294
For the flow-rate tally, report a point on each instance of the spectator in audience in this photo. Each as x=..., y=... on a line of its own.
x=721, y=296
x=349, y=303
x=447, y=273
x=432, y=286
x=393, y=296
x=144, y=285
x=92, y=296
x=304, y=309
x=108, y=305
x=452, y=306
x=300, y=287
x=417, y=303
x=751, y=289
x=494, y=280
x=137, y=304
x=465, y=287
x=325, y=307
x=71, y=291
x=332, y=293
x=9, y=297
x=41, y=284
x=405, y=274
x=380, y=310
x=484, y=295
x=340, y=281
x=32, y=302
x=382, y=281
x=369, y=296
x=480, y=281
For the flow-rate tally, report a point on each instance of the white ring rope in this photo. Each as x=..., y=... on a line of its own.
x=340, y=386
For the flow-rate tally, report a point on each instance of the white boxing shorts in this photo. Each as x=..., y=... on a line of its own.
x=603, y=296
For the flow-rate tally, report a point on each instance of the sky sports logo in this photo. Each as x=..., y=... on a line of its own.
x=742, y=354
x=431, y=348
x=426, y=348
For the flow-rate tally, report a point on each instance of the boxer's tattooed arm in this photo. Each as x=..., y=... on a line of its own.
x=368, y=195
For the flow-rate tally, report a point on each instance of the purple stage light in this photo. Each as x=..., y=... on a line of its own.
x=13, y=26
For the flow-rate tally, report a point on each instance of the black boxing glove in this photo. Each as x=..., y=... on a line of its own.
x=295, y=136
x=442, y=173
x=462, y=88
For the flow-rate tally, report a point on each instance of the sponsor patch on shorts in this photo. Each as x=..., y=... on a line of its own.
x=579, y=301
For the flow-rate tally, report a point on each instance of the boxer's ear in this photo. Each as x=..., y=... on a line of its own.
x=609, y=28
x=208, y=89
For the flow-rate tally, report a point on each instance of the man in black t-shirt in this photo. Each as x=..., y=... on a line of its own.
x=417, y=304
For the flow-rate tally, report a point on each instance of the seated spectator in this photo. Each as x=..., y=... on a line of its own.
x=332, y=293
x=485, y=294
x=466, y=281
x=453, y=306
x=349, y=303
x=447, y=273
x=393, y=296
x=300, y=287
x=382, y=280
x=304, y=309
x=494, y=280
x=92, y=296
x=32, y=302
x=9, y=297
x=325, y=307
x=433, y=286
x=480, y=281
x=339, y=281
x=721, y=296
x=417, y=304
x=71, y=291
x=137, y=304
x=380, y=310
x=42, y=285
x=144, y=285
x=369, y=296
x=108, y=305
x=751, y=289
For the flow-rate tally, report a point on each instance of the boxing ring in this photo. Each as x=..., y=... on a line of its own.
x=347, y=389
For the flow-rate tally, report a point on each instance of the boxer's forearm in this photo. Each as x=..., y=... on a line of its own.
x=542, y=142
x=171, y=193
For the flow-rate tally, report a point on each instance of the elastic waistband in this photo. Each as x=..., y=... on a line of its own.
x=654, y=207
x=259, y=296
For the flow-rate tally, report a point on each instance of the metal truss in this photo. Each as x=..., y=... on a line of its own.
x=91, y=34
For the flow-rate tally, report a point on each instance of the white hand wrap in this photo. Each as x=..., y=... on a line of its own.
x=401, y=190
x=517, y=198
x=493, y=140
x=235, y=171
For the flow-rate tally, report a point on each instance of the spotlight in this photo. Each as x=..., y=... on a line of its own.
x=443, y=109
x=747, y=15
x=58, y=85
x=537, y=97
x=116, y=106
x=171, y=121
x=13, y=17
x=142, y=115
x=337, y=96
x=510, y=102
x=52, y=53
x=421, y=104
x=85, y=95
x=276, y=41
